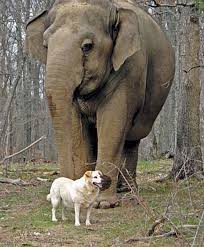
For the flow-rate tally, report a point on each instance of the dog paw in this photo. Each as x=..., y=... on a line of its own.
x=54, y=220
x=88, y=224
x=77, y=224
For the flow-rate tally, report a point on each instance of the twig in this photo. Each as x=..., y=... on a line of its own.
x=190, y=226
x=176, y=229
x=42, y=179
x=198, y=227
x=157, y=4
x=167, y=234
x=153, y=227
x=22, y=150
x=199, y=176
x=194, y=67
x=17, y=181
x=137, y=239
x=163, y=179
x=7, y=106
x=140, y=200
x=19, y=152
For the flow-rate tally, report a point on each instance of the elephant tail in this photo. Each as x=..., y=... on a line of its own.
x=48, y=197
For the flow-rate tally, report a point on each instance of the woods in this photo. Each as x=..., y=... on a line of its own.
x=25, y=115
x=165, y=207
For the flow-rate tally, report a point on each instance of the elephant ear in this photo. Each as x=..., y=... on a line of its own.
x=34, y=37
x=128, y=40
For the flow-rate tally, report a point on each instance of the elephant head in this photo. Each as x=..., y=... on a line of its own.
x=81, y=42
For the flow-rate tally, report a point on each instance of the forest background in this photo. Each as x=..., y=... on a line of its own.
x=178, y=130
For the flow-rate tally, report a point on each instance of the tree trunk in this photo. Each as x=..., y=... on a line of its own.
x=188, y=158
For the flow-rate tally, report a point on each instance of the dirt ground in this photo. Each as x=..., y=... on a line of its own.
x=25, y=215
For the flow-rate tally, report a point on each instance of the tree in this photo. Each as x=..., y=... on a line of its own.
x=188, y=158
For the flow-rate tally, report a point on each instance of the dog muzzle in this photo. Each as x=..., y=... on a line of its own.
x=105, y=183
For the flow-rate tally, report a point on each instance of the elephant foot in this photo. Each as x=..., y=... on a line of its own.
x=124, y=187
x=105, y=202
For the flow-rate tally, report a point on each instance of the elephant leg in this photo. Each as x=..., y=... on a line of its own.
x=130, y=155
x=70, y=135
x=112, y=124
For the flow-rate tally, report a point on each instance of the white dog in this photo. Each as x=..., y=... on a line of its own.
x=81, y=192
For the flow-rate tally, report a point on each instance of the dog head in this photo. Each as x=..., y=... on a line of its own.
x=98, y=179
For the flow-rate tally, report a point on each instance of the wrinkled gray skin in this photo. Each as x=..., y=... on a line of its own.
x=109, y=68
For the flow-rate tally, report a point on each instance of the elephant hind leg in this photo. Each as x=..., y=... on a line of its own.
x=130, y=157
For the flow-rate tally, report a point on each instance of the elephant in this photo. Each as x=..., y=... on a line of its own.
x=109, y=69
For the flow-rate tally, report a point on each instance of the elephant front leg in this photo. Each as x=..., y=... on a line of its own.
x=70, y=134
x=112, y=125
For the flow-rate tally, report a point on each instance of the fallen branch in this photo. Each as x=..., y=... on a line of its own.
x=163, y=179
x=23, y=150
x=167, y=234
x=155, y=225
x=190, y=226
x=19, y=152
x=17, y=181
x=42, y=179
x=197, y=230
x=137, y=239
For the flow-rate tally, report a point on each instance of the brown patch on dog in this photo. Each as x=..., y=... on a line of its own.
x=88, y=174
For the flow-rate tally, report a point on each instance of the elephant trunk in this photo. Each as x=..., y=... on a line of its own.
x=61, y=81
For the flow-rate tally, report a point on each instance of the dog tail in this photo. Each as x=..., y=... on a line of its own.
x=48, y=197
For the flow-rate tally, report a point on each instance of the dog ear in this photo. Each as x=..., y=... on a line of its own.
x=88, y=174
x=100, y=173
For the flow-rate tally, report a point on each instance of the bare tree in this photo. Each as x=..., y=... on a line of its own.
x=188, y=158
x=23, y=107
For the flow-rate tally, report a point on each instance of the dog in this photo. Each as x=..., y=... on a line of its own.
x=82, y=192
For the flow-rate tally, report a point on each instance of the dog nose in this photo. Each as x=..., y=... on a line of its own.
x=106, y=182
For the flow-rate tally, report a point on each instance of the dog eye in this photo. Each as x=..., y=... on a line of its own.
x=95, y=177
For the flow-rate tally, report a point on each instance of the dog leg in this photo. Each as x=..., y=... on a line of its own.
x=55, y=202
x=77, y=212
x=63, y=212
x=53, y=214
x=88, y=223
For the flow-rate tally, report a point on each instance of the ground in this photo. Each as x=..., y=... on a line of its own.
x=25, y=215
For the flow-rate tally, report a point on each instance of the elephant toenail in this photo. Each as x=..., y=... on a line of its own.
x=105, y=205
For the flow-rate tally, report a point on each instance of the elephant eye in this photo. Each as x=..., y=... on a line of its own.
x=87, y=46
